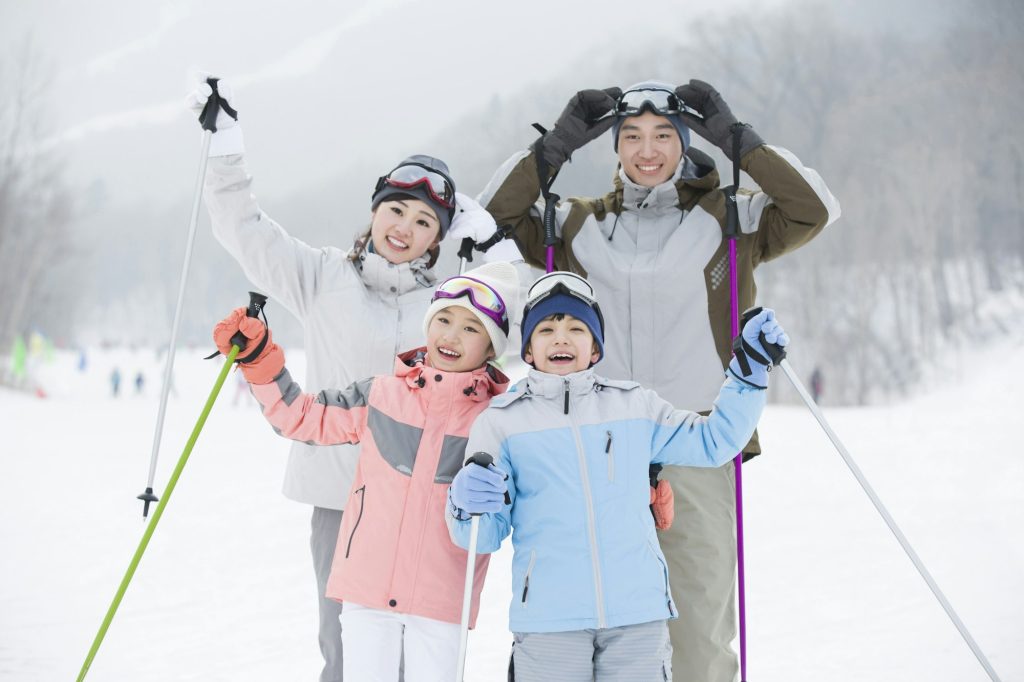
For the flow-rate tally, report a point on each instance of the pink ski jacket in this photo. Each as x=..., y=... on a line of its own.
x=394, y=551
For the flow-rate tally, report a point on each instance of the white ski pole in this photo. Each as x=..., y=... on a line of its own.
x=483, y=459
x=918, y=564
x=208, y=119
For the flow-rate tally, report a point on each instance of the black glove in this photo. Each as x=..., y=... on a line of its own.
x=716, y=121
x=579, y=124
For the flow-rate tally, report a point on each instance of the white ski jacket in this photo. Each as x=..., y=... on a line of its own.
x=356, y=317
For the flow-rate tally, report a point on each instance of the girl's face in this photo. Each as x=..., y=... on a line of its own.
x=561, y=346
x=404, y=229
x=649, y=149
x=457, y=341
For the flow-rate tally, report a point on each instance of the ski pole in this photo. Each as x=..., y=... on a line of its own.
x=483, y=459
x=904, y=543
x=465, y=253
x=731, y=233
x=256, y=302
x=208, y=118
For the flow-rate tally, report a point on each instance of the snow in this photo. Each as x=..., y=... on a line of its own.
x=225, y=590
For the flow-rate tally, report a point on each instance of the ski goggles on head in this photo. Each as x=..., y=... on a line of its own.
x=438, y=185
x=567, y=283
x=660, y=101
x=482, y=297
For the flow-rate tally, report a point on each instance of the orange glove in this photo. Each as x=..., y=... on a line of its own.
x=268, y=361
x=663, y=505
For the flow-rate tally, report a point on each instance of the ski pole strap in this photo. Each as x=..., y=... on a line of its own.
x=732, y=222
x=744, y=351
x=208, y=116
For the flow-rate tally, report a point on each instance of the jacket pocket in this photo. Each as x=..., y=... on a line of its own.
x=362, y=503
x=664, y=571
x=526, y=578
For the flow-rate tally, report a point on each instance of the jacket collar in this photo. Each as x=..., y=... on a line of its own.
x=479, y=385
x=553, y=386
x=694, y=176
x=394, y=279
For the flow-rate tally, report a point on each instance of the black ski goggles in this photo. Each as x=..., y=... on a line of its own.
x=658, y=100
x=438, y=185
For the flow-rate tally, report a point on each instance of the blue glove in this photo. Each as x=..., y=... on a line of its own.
x=477, y=490
x=756, y=355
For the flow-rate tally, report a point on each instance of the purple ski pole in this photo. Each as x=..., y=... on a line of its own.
x=731, y=232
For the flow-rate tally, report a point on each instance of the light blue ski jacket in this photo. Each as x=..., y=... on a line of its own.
x=577, y=451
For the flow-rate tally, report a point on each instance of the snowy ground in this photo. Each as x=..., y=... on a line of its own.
x=225, y=590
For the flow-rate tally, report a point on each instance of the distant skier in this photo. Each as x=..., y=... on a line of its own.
x=357, y=307
x=140, y=382
x=817, y=384
x=115, y=382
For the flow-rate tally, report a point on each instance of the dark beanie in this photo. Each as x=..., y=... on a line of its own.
x=566, y=305
x=388, y=192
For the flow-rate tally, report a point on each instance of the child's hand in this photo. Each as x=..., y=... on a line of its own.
x=756, y=355
x=478, y=490
x=261, y=360
x=663, y=505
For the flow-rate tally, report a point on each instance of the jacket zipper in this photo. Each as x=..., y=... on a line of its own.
x=529, y=570
x=362, y=503
x=611, y=458
x=591, y=522
x=566, y=408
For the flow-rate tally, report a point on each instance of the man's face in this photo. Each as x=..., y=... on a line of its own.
x=649, y=149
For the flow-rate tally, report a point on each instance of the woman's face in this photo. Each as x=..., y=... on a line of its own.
x=404, y=229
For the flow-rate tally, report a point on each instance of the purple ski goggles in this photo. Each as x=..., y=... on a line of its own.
x=481, y=296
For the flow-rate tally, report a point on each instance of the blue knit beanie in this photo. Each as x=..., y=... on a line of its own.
x=674, y=119
x=566, y=305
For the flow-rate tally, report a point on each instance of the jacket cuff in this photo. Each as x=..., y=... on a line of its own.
x=456, y=513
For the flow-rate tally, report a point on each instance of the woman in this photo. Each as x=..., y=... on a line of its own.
x=358, y=308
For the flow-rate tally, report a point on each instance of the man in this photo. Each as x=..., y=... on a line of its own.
x=654, y=250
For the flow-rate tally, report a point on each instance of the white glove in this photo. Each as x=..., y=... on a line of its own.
x=228, y=138
x=472, y=220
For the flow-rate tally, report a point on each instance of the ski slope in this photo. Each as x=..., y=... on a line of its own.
x=226, y=591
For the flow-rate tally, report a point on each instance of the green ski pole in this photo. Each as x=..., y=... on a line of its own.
x=256, y=302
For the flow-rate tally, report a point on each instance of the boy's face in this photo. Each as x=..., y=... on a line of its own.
x=649, y=149
x=561, y=346
x=457, y=341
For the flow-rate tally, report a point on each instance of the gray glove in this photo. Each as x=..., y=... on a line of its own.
x=715, y=121
x=579, y=124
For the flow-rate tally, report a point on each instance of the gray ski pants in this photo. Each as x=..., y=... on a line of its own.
x=631, y=653
x=326, y=525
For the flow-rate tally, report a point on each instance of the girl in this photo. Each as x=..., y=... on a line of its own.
x=395, y=569
x=358, y=308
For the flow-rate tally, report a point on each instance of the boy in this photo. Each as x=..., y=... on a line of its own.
x=590, y=583
x=395, y=569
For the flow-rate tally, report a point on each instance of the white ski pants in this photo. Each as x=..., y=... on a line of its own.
x=374, y=642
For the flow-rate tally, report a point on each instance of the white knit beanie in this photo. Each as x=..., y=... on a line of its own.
x=500, y=276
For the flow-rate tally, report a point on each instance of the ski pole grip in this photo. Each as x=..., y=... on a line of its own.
x=208, y=116
x=255, y=307
x=549, y=220
x=466, y=249
x=485, y=460
x=776, y=352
